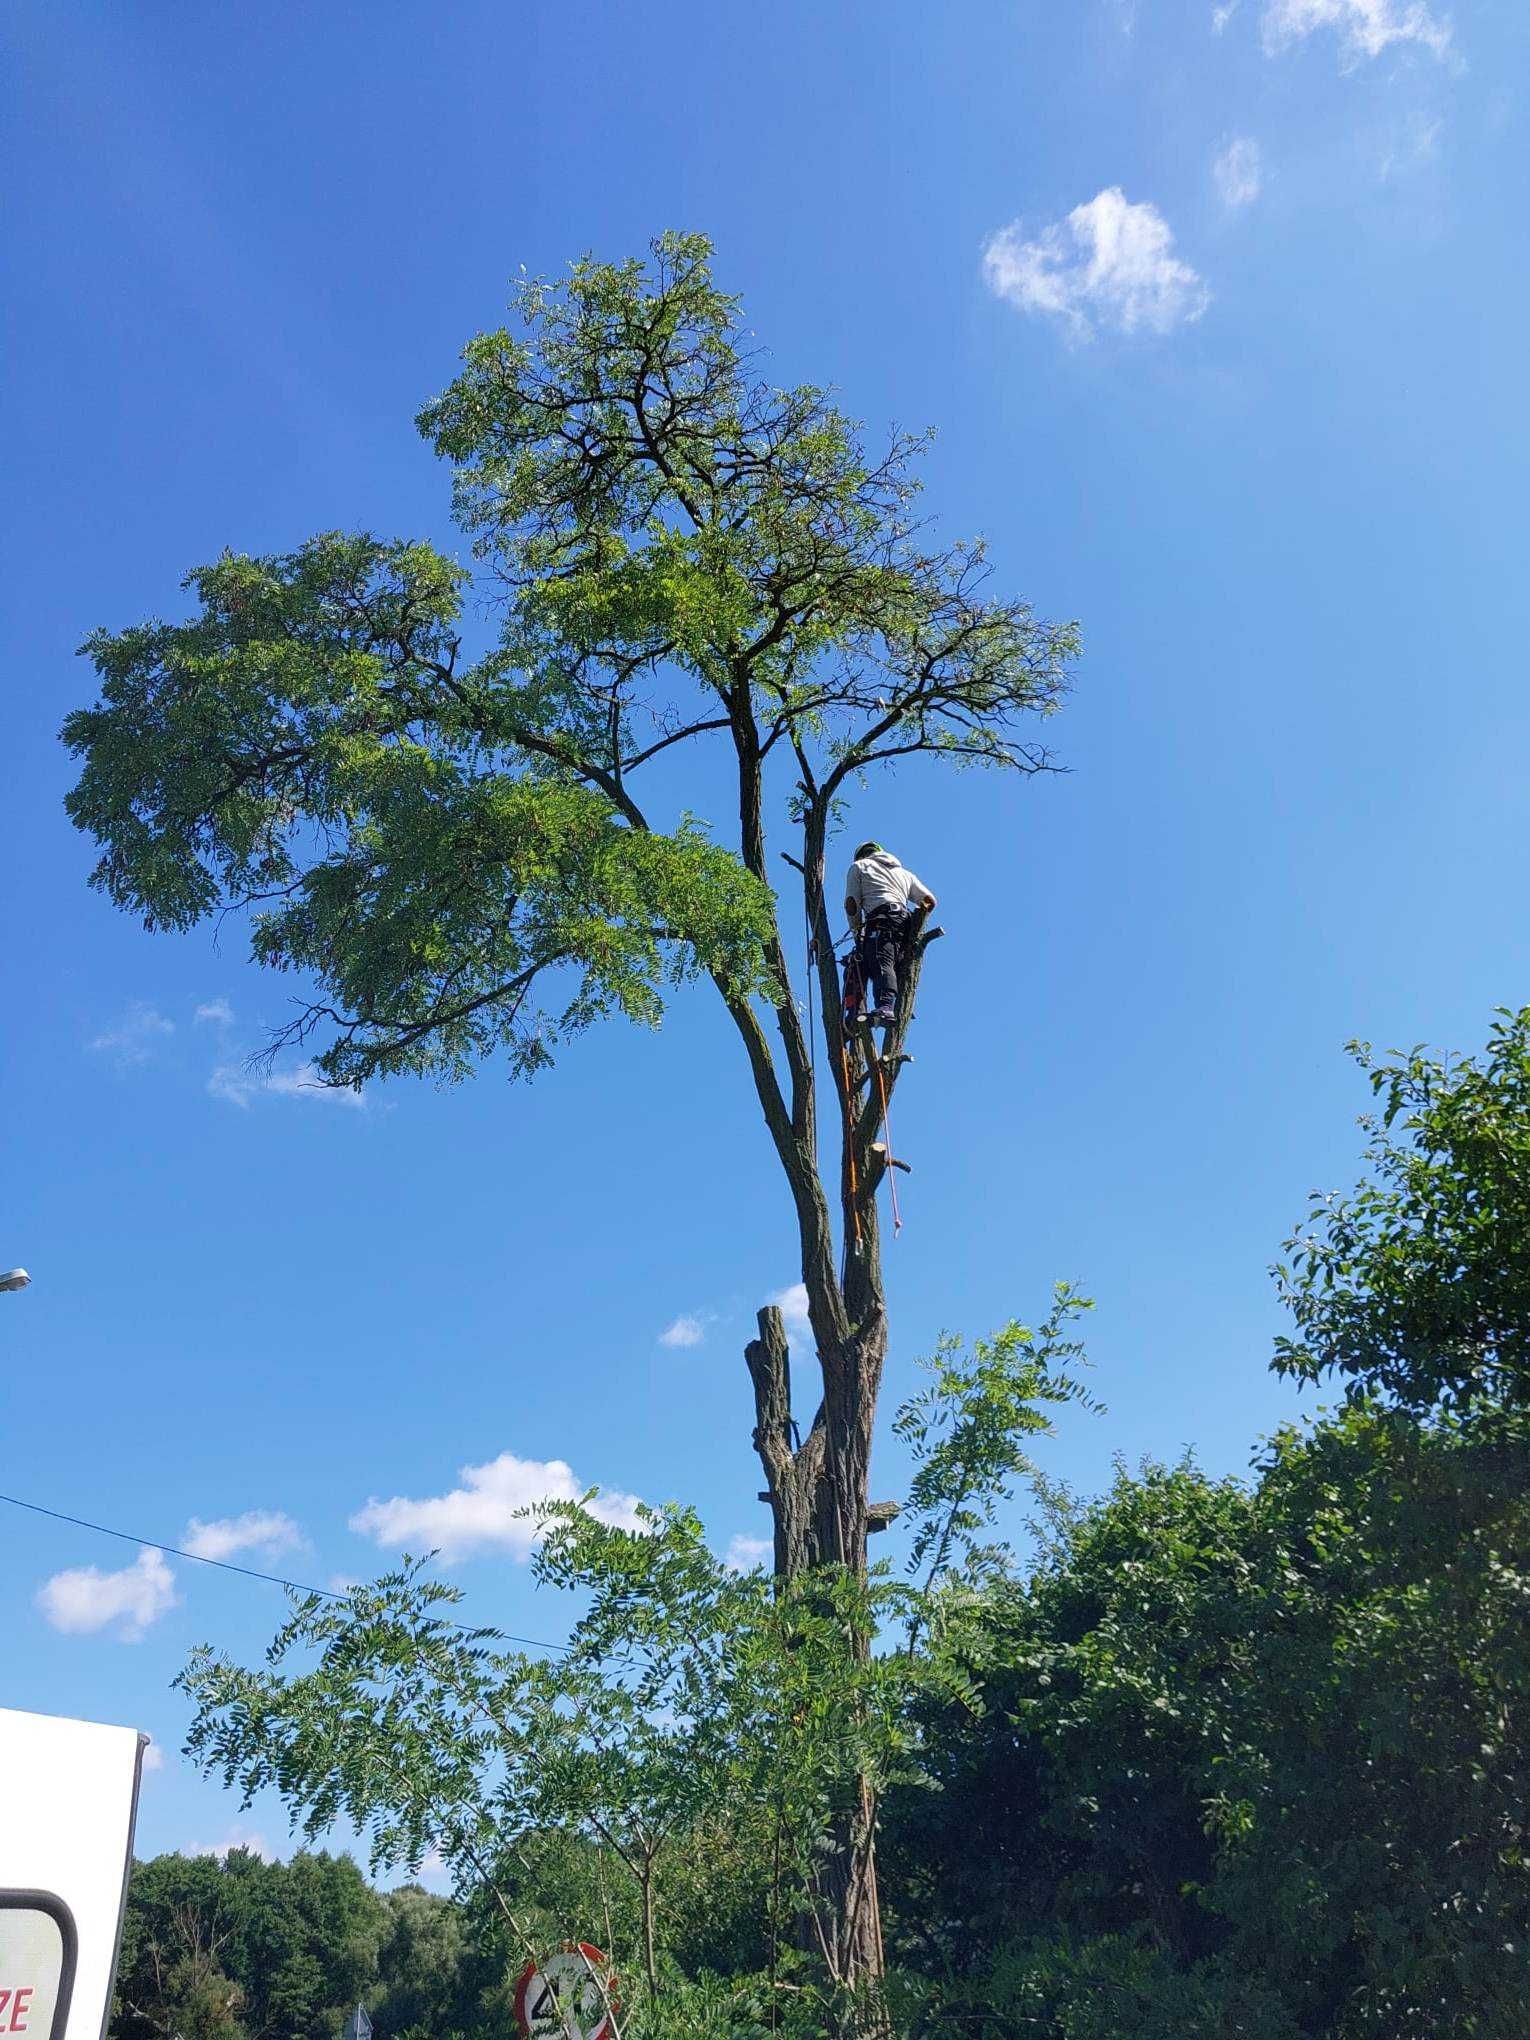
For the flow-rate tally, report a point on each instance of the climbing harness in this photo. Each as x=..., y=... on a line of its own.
x=854, y=987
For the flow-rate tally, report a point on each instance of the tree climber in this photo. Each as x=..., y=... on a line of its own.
x=880, y=895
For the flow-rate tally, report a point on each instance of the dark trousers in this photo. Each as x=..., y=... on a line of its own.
x=881, y=946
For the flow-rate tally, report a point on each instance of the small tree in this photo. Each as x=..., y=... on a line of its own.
x=695, y=1712
x=969, y=1431
x=460, y=856
x=688, y=1695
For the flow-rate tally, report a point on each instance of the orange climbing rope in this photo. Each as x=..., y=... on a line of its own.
x=811, y=945
x=855, y=1184
x=887, y=1146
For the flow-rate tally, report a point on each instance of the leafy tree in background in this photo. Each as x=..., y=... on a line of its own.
x=436, y=1973
x=1417, y=1285
x=1253, y=1758
x=469, y=858
x=243, y=1947
x=312, y=1938
x=179, y=1945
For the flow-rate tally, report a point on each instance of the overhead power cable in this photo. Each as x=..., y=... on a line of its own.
x=248, y=1572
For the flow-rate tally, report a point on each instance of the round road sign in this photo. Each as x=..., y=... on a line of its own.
x=566, y=1997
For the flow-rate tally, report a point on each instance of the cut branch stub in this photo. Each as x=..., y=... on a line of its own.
x=770, y=1369
x=794, y=1476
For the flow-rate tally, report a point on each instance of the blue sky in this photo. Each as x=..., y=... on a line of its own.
x=1219, y=314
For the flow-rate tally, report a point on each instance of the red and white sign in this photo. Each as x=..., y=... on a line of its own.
x=567, y=1997
x=68, y=1798
x=37, y=1957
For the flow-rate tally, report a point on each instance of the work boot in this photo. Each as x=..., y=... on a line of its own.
x=884, y=1016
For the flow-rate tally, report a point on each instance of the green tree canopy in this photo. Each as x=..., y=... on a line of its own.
x=1250, y=1758
x=1417, y=1285
x=243, y=1949
x=456, y=851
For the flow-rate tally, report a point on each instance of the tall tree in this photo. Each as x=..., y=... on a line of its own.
x=460, y=856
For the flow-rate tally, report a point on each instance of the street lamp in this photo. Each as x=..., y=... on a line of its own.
x=14, y=1278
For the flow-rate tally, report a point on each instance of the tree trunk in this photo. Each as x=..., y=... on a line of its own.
x=819, y=1490
x=819, y=1498
x=849, y=1886
x=818, y=1487
x=650, y=1962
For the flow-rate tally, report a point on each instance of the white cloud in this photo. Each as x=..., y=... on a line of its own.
x=1365, y=28
x=1238, y=171
x=689, y=1329
x=305, y=1082
x=153, y=1757
x=217, y=1011
x=237, y=1084
x=266, y=1531
x=481, y=1515
x=238, y=1837
x=434, y=1871
x=1412, y=144
x=1220, y=16
x=792, y=1303
x=1109, y=264
x=745, y=1553
x=85, y=1599
x=136, y=1036
x=233, y=1083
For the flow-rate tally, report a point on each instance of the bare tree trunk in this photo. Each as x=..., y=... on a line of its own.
x=849, y=1885
x=819, y=1490
x=650, y=1963
x=819, y=1498
x=818, y=1486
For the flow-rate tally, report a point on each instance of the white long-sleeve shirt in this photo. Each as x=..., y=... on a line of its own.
x=881, y=881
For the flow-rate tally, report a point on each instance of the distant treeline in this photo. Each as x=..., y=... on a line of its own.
x=242, y=1949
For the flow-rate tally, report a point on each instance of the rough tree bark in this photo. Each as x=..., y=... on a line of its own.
x=818, y=1483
